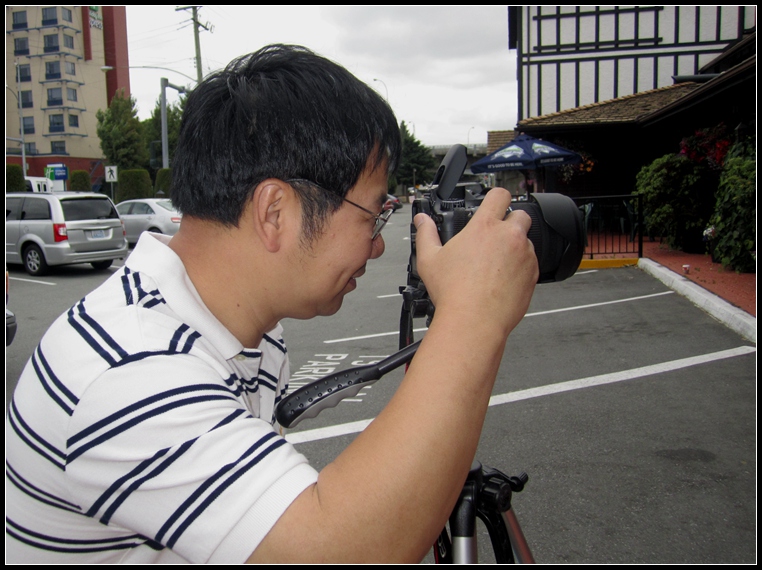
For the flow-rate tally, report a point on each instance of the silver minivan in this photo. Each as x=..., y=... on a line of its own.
x=62, y=228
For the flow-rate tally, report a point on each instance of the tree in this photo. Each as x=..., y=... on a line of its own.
x=417, y=165
x=121, y=134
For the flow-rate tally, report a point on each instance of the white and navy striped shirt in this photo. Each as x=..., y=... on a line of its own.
x=141, y=430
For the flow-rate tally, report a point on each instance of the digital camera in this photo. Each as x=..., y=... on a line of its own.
x=557, y=231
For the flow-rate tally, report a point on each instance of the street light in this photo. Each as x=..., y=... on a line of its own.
x=385, y=88
x=110, y=68
x=22, y=140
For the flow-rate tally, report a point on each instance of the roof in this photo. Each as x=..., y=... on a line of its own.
x=626, y=109
x=498, y=139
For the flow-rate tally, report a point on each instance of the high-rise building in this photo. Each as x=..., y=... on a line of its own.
x=63, y=64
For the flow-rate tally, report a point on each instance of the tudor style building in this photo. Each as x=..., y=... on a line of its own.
x=571, y=56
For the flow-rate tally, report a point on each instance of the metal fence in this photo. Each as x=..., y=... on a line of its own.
x=613, y=226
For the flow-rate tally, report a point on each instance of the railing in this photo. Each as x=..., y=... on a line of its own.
x=613, y=224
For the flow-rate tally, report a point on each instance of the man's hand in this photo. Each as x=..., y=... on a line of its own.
x=488, y=270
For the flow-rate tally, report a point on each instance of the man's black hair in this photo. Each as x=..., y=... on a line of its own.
x=281, y=112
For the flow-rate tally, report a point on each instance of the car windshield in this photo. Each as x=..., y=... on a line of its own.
x=166, y=204
x=78, y=209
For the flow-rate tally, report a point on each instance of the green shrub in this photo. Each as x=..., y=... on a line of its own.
x=735, y=213
x=678, y=196
x=134, y=184
x=163, y=181
x=14, y=178
x=80, y=181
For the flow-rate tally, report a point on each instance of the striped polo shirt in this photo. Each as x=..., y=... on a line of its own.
x=141, y=430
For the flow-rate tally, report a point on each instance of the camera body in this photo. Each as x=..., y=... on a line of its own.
x=557, y=231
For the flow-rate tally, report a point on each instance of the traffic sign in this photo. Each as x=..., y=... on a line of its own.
x=111, y=174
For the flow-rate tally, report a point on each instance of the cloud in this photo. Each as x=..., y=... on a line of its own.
x=445, y=69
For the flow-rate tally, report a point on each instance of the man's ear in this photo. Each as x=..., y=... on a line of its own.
x=272, y=212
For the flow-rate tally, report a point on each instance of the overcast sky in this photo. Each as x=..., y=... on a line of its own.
x=444, y=69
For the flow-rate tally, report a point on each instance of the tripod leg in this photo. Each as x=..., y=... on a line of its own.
x=518, y=542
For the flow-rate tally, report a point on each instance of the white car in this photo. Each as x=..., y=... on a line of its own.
x=156, y=215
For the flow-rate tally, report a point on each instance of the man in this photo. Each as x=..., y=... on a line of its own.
x=141, y=429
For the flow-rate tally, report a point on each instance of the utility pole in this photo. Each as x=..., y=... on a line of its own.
x=196, y=26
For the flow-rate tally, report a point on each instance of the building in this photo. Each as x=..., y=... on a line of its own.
x=572, y=56
x=623, y=85
x=55, y=57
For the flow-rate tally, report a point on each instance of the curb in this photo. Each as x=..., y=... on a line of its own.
x=607, y=263
x=734, y=318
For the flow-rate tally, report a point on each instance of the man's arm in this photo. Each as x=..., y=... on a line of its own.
x=389, y=494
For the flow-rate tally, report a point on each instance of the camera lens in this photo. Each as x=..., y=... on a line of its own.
x=557, y=234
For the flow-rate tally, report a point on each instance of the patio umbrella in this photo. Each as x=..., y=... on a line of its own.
x=525, y=153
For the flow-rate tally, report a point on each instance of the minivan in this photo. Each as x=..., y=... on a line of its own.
x=62, y=228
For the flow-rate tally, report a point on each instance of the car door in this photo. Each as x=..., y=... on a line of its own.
x=130, y=223
x=143, y=217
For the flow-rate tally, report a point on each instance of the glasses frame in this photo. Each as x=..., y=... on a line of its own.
x=380, y=219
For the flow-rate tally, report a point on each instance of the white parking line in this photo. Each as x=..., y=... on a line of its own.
x=538, y=313
x=356, y=427
x=31, y=281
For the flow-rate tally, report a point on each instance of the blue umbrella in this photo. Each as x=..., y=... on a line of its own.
x=525, y=153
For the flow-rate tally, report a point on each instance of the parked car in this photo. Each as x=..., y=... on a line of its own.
x=10, y=318
x=156, y=215
x=62, y=228
x=392, y=202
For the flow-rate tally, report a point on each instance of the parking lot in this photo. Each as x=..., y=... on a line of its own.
x=632, y=410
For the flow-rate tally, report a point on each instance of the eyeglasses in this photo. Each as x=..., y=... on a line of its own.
x=380, y=219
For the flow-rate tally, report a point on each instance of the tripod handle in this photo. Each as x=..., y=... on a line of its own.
x=308, y=401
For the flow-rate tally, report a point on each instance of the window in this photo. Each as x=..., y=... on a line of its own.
x=78, y=209
x=30, y=147
x=66, y=15
x=58, y=147
x=21, y=46
x=26, y=99
x=70, y=68
x=71, y=94
x=56, y=123
x=55, y=96
x=28, y=125
x=19, y=20
x=74, y=120
x=52, y=70
x=50, y=43
x=36, y=209
x=49, y=16
x=142, y=209
x=24, y=72
x=68, y=41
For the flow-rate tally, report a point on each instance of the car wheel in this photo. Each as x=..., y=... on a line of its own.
x=154, y=230
x=34, y=261
x=102, y=264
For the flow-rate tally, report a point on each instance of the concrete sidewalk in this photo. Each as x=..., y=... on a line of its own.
x=736, y=319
